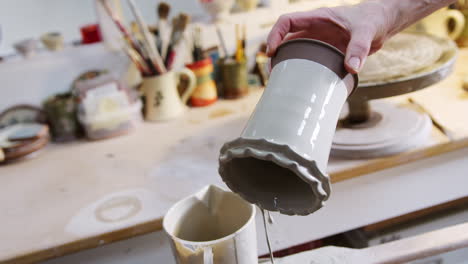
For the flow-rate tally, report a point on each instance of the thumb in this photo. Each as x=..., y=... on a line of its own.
x=358, y=50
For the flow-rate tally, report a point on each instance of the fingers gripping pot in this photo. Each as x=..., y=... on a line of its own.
x=279, y=162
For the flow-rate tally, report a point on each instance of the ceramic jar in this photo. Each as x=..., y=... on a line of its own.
x=62, y=117
x=233, y=78
x=279, y=162
x=205, y=92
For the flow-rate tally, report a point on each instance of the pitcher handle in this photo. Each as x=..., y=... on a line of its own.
x=459, y=19
x=191, y=85
x=207, y=255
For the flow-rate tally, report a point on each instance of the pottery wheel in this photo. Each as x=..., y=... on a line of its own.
x=407, y=63
x=390, y=130
x=401, y=55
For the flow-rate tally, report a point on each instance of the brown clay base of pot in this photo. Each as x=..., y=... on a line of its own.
x=236, y=94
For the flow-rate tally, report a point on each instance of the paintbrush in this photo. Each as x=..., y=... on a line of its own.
x=244, y=38
x=137, y=60
x=179, y=25
x=439, y=126
x=127, y=36
x=148, y=40
x=197, y=52
x=120, y=26
x=136, y=32
x=239, y=50
x=162, y=25
x=221, y=42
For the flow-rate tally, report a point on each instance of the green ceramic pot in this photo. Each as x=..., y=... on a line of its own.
x=233, y=78
x=61, y=115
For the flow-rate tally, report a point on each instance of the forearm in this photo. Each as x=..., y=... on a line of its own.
x=403, y=13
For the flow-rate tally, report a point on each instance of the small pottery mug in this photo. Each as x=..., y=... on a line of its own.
x=279, y=162
x=205, y=93
x=212, y=226
x=233, y=79
x=52, y=41
x=162, y=100
x=437, y=24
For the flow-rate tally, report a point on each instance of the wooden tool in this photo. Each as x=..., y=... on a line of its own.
x=439, y=126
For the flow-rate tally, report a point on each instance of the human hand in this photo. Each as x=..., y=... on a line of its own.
x=357, y=31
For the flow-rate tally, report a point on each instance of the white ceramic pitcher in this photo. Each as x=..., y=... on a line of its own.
x=212, y=226
x=279, y=162
x=162, y=100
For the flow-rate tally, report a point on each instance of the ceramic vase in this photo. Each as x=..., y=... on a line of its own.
x=279, y=162
x=205, y=92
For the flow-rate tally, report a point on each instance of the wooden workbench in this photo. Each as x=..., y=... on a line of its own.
x=85, y=194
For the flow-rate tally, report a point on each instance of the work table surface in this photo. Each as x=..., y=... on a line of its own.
x=84, y=194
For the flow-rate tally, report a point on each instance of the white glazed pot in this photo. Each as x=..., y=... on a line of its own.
x=279, y=162
x=212, y=226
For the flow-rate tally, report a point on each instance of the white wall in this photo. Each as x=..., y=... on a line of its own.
x=22, y=19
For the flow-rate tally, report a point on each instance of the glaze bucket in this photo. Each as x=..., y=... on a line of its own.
x=279, y=161
x=212, y=226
